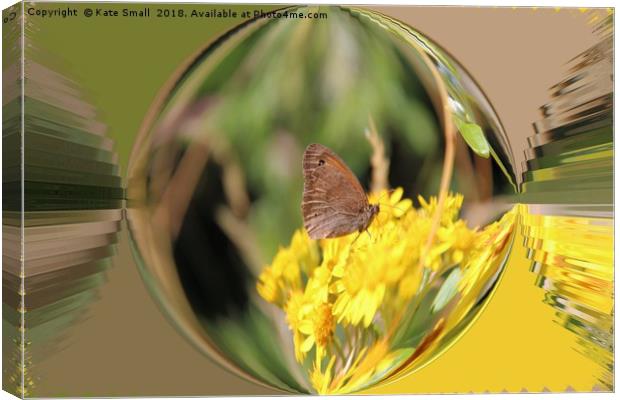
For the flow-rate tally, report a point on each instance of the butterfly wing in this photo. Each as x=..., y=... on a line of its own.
x=333, y=199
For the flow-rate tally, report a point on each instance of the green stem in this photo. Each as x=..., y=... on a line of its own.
x=339, y=351
x=419, y=297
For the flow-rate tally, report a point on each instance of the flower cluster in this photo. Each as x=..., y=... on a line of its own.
x=341, y=295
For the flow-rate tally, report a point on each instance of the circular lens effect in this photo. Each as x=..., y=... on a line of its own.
x=215, y=191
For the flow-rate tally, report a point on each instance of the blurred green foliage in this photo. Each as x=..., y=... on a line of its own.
x=294, y=82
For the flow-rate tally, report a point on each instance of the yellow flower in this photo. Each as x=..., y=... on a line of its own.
x=452, y=237
x=317, y=287
x=451, y=207
x=359, y=280
x=309, y=315
x=321, y=380
x=283, y=275
x=377, y=261
x=336, y=251
x=360, y=292
x=294, y=314
x=268, y=286
x=276, y=281
x=394, y=206
x=386, y=261
x=306, y=251
x=319, y=325
x=410, y=284
x=458, y=238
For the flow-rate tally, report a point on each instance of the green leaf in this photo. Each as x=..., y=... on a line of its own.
x=474, y=137
x=447, y=290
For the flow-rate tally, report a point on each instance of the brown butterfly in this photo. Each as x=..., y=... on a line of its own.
x=334, y=202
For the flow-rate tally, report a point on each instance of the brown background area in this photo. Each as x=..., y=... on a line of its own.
x=127, y=347
x=515, y=54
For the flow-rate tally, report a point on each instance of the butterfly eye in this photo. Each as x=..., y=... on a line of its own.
x=321, y=162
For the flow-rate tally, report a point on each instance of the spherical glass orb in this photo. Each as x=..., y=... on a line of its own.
x=216, y=183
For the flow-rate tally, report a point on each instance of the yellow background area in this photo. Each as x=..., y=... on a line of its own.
x=515, y=345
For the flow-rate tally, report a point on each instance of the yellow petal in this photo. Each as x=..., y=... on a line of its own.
x=396, y=195
x=402, y=207
x=306, y=327
x=457, y=256
x=307, y=344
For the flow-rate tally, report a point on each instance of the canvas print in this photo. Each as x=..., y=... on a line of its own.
x=213, y=199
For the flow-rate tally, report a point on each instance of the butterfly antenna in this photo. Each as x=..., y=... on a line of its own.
x=358, y=235
x=389, y=205
x=354, y=240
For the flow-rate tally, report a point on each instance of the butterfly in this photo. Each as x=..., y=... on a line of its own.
x=334, y=203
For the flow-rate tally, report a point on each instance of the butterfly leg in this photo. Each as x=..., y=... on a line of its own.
x=358, y=235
